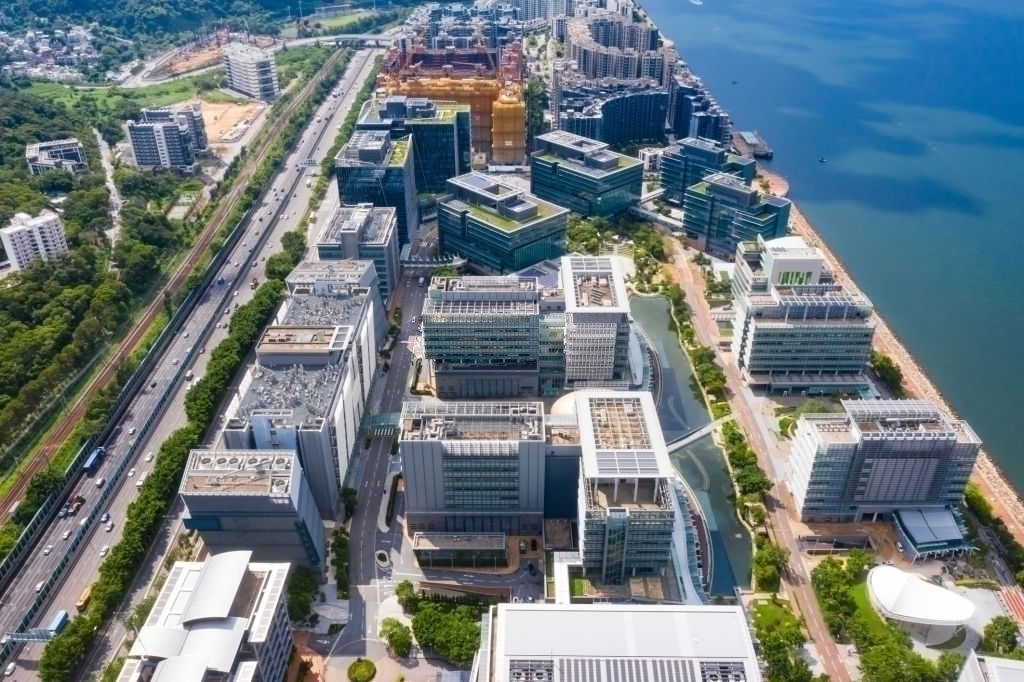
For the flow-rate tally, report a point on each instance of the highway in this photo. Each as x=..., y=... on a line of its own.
x=204, y=328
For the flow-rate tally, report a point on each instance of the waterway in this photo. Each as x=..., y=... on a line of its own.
x=701, y=464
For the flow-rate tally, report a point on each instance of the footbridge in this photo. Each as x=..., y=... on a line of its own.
x=697, y=434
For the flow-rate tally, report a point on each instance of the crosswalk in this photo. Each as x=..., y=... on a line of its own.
x=381, y=431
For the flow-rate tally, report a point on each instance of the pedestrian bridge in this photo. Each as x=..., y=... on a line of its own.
x=697, y=434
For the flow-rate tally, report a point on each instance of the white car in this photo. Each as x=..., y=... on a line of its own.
x=131, y=472
x=110, y=526
x=104, y=550
x=47, y=550
x=66, y=534
x=149, y=456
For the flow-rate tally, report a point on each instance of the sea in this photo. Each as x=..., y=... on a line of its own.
x=917, y=109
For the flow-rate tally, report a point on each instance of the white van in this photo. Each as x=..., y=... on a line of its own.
x=39, y=585
x=9, y=670
x=100, y=482
x=141, y=479
x=189, y=375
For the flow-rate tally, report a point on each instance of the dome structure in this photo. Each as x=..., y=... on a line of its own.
x=909, y=598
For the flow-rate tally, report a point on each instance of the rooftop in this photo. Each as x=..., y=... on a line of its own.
x=291, y=340
x=985, y=668
x=482, y=541
x=910, y=598
x=486, y=295
x=373, y=224
x=593, y=282
x=373, y=148
x=238, y=472
x=476, y=421
x=298, y=393
x=889, y=420
x=620, y=643
x=327, y=276
x=621, y=435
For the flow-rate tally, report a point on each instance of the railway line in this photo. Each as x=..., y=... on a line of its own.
x=74, y=415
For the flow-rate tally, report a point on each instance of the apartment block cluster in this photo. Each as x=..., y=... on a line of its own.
x=51, y=55
x=27, y=238
x=168, y=137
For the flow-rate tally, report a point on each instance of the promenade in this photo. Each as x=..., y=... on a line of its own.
x=1006, y=502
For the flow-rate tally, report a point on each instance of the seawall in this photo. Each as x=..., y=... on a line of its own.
x=1006, y=501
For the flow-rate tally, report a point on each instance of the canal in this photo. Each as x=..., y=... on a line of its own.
x=701, y=464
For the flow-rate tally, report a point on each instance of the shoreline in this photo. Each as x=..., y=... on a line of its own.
x=1006, y=501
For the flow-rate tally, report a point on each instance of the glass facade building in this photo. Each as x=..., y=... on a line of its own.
x=796, y=331
x=497, y=227
x=583, y=175
x=636, y=117
x=721, y=211
x=367, y=233
x=693, y=159
x=880, y=457
x=372, y=168
x=441, y=133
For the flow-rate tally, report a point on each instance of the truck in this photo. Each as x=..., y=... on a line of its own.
x=75, y=503
x=254, y=283
x=59, y=622
x=93, y=461
x=309, y=182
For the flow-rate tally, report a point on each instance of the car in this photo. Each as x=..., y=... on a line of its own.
x=104, y=549
x=152, y=384
x=254, y=263
x=264, y=258
x=236, y=264
x=185, y=335
x=202, y=350
x=66, y=534
x=218, y=325
x=131, y=431
x=235, y=294
x=131, y=472
x=47, y=550
x=110, y=526
x=295, y=194
x=532, y=569
x=149, y=456
x=227, y=311
x=899, y=546
x=40, y=585
x=105, y=517
x=174, y=361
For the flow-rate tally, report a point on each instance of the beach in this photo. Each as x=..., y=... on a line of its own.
x=1006, y=502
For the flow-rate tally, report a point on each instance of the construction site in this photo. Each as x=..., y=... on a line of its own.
x=492, y=87
x=202, y=52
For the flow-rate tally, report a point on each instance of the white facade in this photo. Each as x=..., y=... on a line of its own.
x=251, y=71
x=66, y=155
x=28, y=238
x=596, y=322
x=225, y=618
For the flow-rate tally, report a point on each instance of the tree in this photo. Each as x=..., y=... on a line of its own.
x=890, y=662
x=407, y=597
x=348, y=498
x=1001, y=635
x=398, y=637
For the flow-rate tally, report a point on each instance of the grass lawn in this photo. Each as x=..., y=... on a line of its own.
x=770, y=616
x=578, y=587
x=875, y=624
x=342, y=20
x=160, y=95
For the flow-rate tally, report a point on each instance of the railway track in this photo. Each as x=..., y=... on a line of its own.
x=52, y=444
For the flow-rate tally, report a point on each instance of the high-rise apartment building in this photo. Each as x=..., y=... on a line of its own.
x=721, y=211
x=364, y=232
x=372, y=168
x=473, y=467
x=251, y=71
x=441, y=133
x=66, y=155
x=496, y=226
x=254, y=499
x=168, y=137
x=315, y=366
x=622, y=115
x=694, y=158
x=879, y=457
x=597, y=331
x=28, y=238
x=796, y=331
x=583, y=175
x=481, y=335
x=222, y=619
x=693, y=112
x=627, y=513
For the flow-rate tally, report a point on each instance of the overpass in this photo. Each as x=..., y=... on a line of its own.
x=379, y=39
x=673, y=225
x=697, y=434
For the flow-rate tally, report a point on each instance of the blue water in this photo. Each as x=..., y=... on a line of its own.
x=918, y=108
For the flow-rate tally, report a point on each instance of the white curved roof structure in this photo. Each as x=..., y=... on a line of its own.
x=218, y=584
x=910, y=598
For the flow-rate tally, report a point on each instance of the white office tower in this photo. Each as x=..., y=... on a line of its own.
x=615, y=643
x=308, y=388
x=597, y=333
x=254, y=499
x=28, y=238
x=222, y=619
x=251, y=71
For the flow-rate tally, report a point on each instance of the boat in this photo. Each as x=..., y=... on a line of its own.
x=697, y=2
x=822, y=159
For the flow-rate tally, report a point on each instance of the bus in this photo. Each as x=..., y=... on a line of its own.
x=93, y=461
x=59, y=622
x=83, y=599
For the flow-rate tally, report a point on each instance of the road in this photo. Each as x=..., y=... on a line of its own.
x=797, y=581
x=205, y=327
x=107, y=160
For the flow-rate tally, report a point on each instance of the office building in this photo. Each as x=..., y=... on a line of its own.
x=251, y=71
x=615, y=643
x=314, y=368
x=583, y=175
x=168, y=137
x=796, y=331
x=66, y=155
x=440, y=131
x=481, y=335
x=721, y=211
x=627, y=512
x=694, y=158
x=879, y=457
x=473, y=467
x=985, y=668
x=498, y=227
x=28, y=238
x=597, y=331
x=254, y=499
x=374, y=169
x=222, y=619
x=364, y=232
